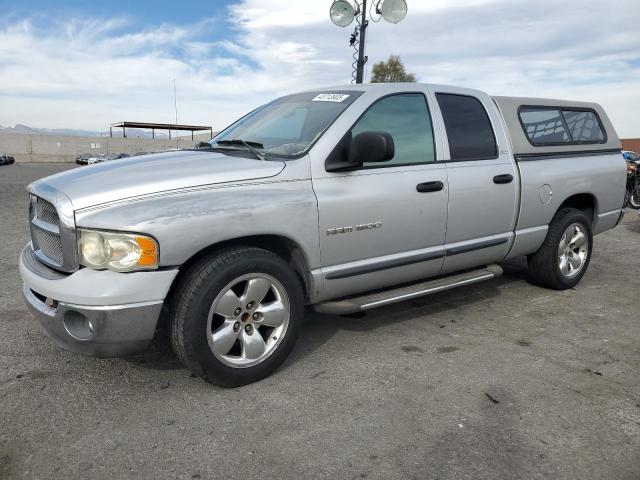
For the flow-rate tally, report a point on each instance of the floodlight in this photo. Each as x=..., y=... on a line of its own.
x=342, y=13
x=393, y=11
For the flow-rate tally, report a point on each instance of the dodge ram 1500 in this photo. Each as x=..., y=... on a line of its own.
x=339, y=199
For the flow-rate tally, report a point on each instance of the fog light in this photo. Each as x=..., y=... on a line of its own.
x=78, y=326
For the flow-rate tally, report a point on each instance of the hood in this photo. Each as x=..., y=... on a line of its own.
x=161, y=172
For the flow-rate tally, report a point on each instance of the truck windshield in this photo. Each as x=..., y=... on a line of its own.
x=289, y=126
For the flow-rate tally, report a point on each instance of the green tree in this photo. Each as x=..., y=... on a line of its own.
x=391, y=71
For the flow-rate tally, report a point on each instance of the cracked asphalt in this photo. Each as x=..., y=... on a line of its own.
x=500, y=380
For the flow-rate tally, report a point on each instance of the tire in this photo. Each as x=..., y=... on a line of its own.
x=546, y=266
x=217, y=298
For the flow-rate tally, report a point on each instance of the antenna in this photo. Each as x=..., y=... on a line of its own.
x=175, y=104
x=175, y=99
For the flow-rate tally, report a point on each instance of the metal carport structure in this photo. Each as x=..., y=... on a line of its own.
x=158, y=126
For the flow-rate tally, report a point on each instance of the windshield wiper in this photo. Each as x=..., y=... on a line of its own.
x=252, y=146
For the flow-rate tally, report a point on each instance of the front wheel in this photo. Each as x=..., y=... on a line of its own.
x=564, y=256
x=235, y=315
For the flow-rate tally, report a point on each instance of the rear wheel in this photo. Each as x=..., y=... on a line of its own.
x=564, y=256
x=235, y=315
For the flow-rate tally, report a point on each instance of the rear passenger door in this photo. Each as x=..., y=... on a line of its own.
x=483, y=181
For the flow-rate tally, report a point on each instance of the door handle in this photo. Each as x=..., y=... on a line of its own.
x=430, y=187
x=506, y=178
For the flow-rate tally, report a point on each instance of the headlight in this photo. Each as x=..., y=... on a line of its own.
x=122, y=252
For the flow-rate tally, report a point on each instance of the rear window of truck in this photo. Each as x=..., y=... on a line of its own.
x=546, y=126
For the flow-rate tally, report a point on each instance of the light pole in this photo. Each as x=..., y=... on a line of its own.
x=343, y=12
x=362, y=58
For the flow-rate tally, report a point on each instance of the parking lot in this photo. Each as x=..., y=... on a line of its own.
x=500, y=380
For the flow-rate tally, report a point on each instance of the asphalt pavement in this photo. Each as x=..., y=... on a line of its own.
x=499, y=380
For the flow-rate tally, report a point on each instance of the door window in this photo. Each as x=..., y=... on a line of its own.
x=406, y=117
x=468, y=127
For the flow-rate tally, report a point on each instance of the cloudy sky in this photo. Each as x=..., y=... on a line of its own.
x=79, y=64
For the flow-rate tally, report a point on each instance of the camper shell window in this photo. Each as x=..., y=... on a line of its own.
x=548, y=125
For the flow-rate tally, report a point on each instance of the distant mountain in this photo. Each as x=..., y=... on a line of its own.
x=27, y=130
x=135, y=132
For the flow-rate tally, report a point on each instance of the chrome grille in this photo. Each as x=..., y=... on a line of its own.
x=50, y=245
x=45, y=232
x=52, y=225
x=46, y=212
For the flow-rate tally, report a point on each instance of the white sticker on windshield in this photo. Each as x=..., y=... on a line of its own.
x=330, y=97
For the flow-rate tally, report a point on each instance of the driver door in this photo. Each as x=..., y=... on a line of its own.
x=385, y=223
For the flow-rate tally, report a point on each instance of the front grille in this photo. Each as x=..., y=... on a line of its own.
x=46, y=212
x=45, y=232
x=50, y=245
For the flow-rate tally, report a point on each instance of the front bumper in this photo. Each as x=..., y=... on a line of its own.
x=99, y=313
x=110, y=331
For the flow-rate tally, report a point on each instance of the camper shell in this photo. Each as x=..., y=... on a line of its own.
x=524, y=147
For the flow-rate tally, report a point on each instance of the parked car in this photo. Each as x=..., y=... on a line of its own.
x=6, y=159
x=342, y=200
x=106, y=157
x=631, y=156
x=95, y=158
x=84, y=158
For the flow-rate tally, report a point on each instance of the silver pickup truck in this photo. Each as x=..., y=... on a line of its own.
x=341, y=199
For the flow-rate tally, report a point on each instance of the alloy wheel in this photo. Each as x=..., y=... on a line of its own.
x=573, y=250
x=248, y=320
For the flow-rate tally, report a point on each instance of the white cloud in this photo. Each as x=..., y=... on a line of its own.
x=86, y=73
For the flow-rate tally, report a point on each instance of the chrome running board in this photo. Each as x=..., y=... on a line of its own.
x=386, y=297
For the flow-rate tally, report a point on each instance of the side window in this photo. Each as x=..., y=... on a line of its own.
x=560, y=126
x=468, y=127
x=583, y=126
x=406, y=117
x=544, y=126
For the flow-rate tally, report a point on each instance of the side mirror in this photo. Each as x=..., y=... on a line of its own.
x=372, y=147
x=351, y=154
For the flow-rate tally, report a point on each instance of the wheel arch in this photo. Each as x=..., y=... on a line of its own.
x=286, y=248
x=586, y=202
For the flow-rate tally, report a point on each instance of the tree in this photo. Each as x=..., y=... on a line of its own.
x=391, y=71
